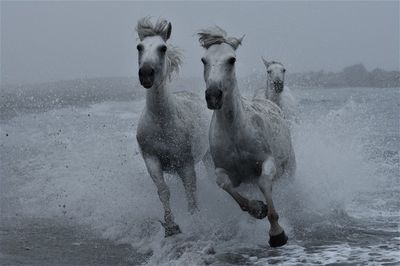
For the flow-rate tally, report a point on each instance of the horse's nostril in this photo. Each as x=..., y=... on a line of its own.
x=219, y=95
x=146, y=71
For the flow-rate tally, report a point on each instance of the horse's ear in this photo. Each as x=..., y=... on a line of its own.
x=235, y=42
x=167, y=32
x=266, y=63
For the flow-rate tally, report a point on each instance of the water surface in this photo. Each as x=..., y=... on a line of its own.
x=74, y=187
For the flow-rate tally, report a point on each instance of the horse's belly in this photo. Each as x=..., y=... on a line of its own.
x=171, y=161
x=239, y=169
x=245, y=171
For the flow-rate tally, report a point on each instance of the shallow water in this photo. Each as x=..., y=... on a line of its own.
x=79, y=169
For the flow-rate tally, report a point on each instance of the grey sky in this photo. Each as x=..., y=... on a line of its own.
x=44, y=41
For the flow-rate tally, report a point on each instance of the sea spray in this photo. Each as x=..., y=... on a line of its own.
x=91, y=172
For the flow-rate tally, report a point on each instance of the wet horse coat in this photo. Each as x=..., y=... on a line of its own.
x=172, y=130
x=249, y=140
x=275, y=89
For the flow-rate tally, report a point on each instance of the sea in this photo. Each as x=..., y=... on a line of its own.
x=75, y=190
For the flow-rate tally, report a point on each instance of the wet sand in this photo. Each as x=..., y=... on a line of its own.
x=50, y=242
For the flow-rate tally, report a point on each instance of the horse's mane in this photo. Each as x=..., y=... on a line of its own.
x=216, y=35
x=272, y=62
x=145, y=28
x=173, y=60
x=275, y=62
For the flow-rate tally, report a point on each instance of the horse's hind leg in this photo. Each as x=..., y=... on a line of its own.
x=155, y=170
x=277, y=236
x=255, y=208
x=188, y=176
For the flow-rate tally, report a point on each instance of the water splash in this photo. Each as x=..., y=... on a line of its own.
x=83, y=164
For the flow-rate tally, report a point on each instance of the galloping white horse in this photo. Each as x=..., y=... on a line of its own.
x=172, y=131
x=275, y=89
x=249, y=140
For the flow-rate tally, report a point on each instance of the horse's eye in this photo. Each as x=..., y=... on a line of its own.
x=139, y=47
x=283, y=70
x=269, y=71
x=163, y=48
x=204, y=61
x=231, y=60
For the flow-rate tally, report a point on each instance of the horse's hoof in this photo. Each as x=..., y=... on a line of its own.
x=257, y=209
x=171, y=230
x=278, y=240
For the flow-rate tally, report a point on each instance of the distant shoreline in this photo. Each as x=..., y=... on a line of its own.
x=352, y=76
x=42, y=97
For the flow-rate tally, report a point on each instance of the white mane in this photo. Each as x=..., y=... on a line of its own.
x=145, y=28
x=173, y=60
x=274, y=62
x=216, y=35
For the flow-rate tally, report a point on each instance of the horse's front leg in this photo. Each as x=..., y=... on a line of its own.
x=277, y=236
x=208, y=163
x=188, y=176
x=255, y=208
x=154, y=168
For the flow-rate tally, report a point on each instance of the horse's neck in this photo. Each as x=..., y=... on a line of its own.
x=271, y=94
x=231, y=113
x=159, y=101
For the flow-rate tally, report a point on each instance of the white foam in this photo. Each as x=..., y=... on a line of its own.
x=92, y=172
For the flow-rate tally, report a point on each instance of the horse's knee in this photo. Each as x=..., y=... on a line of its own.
x=269, y=168
x=208, y=161
x=222, y=179
x=222, y=182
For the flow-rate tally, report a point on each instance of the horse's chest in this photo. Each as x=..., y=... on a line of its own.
x=238, y=158
x=170, y=146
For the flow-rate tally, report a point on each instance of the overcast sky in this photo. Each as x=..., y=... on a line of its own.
x=47, y=41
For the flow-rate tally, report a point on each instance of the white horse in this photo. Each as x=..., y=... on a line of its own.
x=249, y=140
x=275, y=89
x=173, y=126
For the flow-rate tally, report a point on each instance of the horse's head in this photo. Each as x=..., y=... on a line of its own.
x=219, y=64
x=157, y=60
x=275, y=74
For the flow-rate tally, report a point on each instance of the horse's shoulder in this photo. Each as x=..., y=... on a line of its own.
x=143, y=125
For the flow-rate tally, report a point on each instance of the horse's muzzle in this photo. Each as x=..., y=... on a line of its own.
x=214, y=98
x=146, y=76
x=278, y=86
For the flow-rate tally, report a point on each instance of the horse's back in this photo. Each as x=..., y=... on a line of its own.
x=265, y=107
x=276, y=129
x=260, y=94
